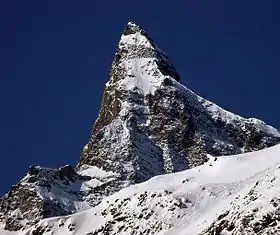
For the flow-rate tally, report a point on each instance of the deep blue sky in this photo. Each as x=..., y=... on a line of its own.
x=56, y=56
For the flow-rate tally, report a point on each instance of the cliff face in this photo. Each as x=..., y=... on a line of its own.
x=149, y=124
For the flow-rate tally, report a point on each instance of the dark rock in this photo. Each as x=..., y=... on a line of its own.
x=120, y=218
x=275, y=202
x=223, y=215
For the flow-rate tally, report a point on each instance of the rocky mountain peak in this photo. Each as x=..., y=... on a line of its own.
x=132, y=28
x=135, y=49
x=149, y=124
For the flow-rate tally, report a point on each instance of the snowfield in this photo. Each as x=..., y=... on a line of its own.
x=185, y=203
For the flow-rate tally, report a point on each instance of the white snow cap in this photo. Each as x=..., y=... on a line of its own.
x=130, y=23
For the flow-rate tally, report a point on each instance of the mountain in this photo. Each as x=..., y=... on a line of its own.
x=149, y=125
x=230, y=195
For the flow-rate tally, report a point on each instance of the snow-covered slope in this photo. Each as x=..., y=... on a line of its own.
x=149, y=124
x=47, y=192
x=227, y=195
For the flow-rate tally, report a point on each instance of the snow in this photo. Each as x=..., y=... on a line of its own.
x=140, y=70
x=93, y=171
x=136, y=39
x=226, y=116
x=140, y=75
x=264, y=127
x=167, y=161
x=131, y=24
x=204, y=193
x=7, y=233
x=69, y=201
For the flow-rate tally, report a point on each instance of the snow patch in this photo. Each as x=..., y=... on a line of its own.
x=140, y=75
x=94, y=171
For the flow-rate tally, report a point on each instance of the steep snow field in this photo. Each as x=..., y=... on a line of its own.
x=184, y=203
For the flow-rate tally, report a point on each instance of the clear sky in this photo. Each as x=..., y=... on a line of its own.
x=56, y=56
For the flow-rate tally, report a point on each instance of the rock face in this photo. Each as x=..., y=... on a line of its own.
x=149, y=124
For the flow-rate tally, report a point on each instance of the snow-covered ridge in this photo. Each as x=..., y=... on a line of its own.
x=226, y=116
x=187, y=202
